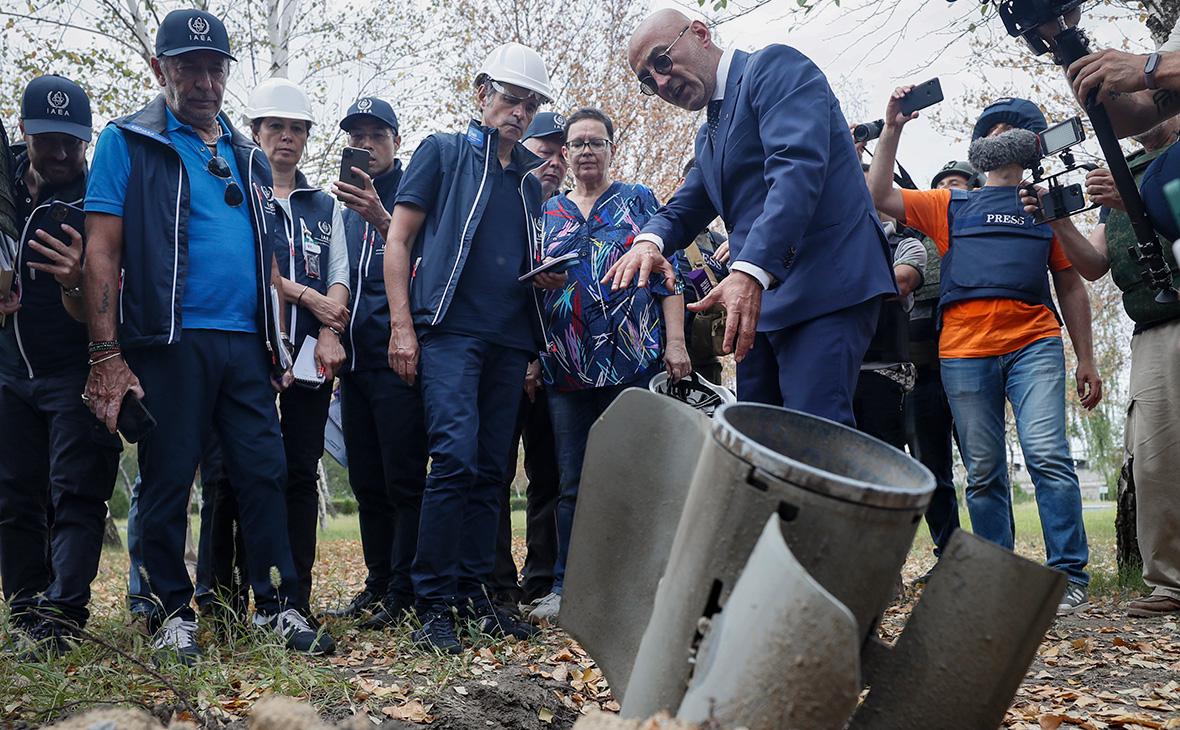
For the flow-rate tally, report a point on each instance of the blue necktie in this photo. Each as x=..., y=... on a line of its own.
x=713, y=117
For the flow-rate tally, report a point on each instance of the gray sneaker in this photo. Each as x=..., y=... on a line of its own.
x=1074, y=599
x=546, y=611
x=176, y=641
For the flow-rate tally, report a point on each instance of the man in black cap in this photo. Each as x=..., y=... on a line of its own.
x=181, y=311
x=381, y=414
x=545, y=138
x=46, y=434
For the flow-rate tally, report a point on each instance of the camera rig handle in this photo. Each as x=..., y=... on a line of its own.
x=1072, y=45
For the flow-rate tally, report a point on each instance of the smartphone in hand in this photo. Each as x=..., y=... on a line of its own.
x=135, y=422
x=354, y=157
x=921, y=96
x=70, y=215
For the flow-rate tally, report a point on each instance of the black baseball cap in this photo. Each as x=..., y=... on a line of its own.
x=183, y=31
x=55, y=104
x=546, y=124
x=369, y=107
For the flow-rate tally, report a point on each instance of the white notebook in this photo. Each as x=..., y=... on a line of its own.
x=306, y=372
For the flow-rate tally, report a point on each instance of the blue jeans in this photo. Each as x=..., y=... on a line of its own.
x=471, y=392
x=1033, y=380
x=573, y=413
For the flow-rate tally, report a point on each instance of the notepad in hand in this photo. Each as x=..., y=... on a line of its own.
x=555, y=265
x=306, y=371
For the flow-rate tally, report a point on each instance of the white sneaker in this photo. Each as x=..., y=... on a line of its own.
x=545, y=614
x=295, y=631
x=177, y=640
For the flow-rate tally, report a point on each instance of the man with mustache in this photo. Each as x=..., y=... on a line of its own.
x=810, y=262
x=182, y=228
x=1000, y=330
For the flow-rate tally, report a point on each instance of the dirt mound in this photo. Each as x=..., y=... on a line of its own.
x=507, y=700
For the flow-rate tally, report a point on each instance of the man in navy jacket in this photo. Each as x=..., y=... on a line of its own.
x=810, y=260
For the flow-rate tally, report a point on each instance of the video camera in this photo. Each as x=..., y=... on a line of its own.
x=1026, y=19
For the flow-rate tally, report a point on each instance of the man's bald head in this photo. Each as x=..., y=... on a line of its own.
x=690, y=82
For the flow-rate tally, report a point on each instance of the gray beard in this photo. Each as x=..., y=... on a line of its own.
x=1014, y=147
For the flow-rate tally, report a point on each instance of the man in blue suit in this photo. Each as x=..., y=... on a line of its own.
x=775, y=160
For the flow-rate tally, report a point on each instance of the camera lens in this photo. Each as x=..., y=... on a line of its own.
x=57, y=213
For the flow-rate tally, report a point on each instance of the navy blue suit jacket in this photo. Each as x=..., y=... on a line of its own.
x=784, y=176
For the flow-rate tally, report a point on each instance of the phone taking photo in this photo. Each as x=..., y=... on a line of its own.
x=921, y=96
x=64, y=213
x=354, y=157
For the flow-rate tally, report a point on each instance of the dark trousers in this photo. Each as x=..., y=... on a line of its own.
x=535, y=428
x=574, y=412
x=930, y=427
x=879, y=408
x=385, y=437
x=220, y=381
x=303, y=413
x=471, y=389
x=52, y=452
x=221, y=547
x=812, y=366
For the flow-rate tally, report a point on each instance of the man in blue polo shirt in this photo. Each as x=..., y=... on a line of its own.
x=178, y=274
x=476, y=326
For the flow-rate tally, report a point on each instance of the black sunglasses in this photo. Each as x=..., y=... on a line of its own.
x=661, y=64
x=218, y=167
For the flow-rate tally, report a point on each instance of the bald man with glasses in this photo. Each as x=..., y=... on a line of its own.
x=810, y=260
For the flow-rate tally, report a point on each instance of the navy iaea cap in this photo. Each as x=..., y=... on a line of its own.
x=183, y=31
x=546, y=124
x=56, y=104
x=369, y=107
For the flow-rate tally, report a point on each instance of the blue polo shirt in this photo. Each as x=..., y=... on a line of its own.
x=220, y=283
x=489, y=303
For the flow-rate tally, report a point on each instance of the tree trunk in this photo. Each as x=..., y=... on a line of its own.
x=1130, y=562
x=1161, y=17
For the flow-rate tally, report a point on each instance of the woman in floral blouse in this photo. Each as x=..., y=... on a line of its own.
x=598, y=342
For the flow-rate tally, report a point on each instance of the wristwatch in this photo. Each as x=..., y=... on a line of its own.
x=1149, y=69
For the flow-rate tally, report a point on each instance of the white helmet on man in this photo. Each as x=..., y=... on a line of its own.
x=694, y=390
x=278, y=97
x=519, y=65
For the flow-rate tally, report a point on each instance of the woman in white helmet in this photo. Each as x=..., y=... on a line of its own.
x=314, y=265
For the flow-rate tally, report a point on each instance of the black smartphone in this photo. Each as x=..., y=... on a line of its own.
x=921, y=96
x=70, y=215
x=135, y=421
x=353, y=157
x=1061, y=201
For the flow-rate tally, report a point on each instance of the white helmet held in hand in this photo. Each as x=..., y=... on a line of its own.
x=278, y=97
x=519, y=65
x=694, y=390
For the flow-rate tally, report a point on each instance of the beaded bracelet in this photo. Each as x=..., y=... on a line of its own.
x=99, y=346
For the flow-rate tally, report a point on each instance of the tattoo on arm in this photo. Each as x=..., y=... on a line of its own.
x=105, y=305
x=1165, y=100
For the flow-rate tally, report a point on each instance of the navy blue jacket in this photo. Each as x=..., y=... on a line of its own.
x=155, y=231
x=42, y=337
x=996, y=250
x=367, y=339
x=784, y=175
x=311, y=216
x=444, y=241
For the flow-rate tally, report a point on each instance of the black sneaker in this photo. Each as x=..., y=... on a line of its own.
x=392, y=611
x=437, y=632
x=1073, y=600
x=176, y=641
x=490, y=619
x=48, y=639
x=360, y=604
x=295, y=630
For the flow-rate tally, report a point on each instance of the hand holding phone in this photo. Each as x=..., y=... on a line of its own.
x=354, y=157
x=135, y=422
x=921, y=96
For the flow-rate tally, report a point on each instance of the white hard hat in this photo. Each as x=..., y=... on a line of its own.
x=278, y=97
x=513, y=63
x=694, y=390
